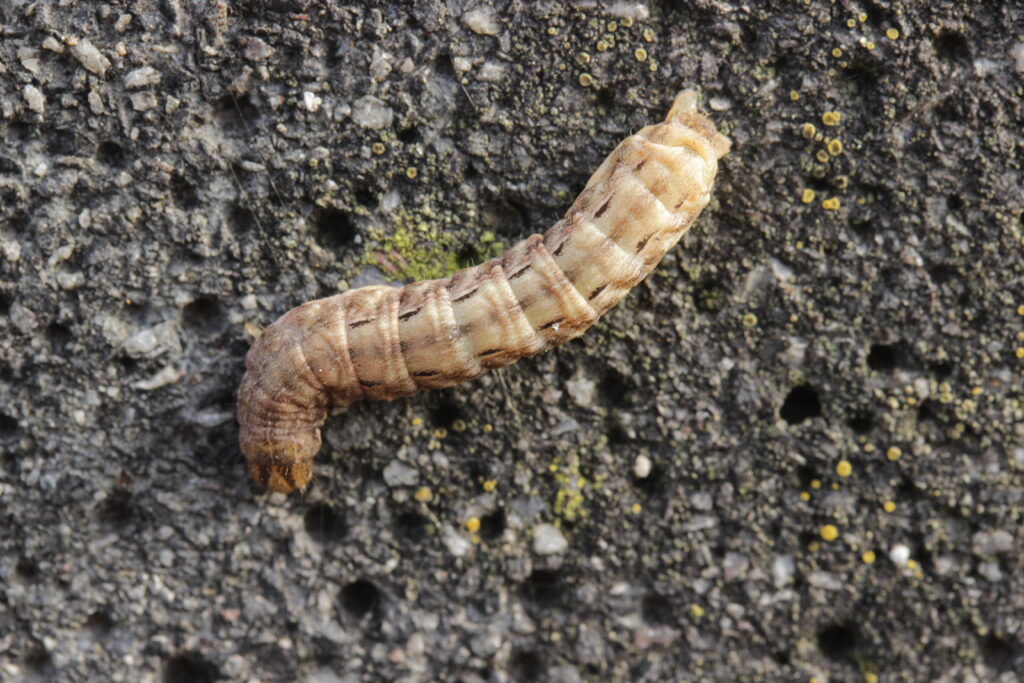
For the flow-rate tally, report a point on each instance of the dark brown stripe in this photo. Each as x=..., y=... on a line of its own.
x=551, y=324
x=426, y=373
x=643, y=243
x=604, y=207
x=640, y=165
x=360, y=323
x=369, y=384
x=465, y=296
x=596, y=292
x=406, y=316
x=519, y=272
x=561, y=246
x=489, y=352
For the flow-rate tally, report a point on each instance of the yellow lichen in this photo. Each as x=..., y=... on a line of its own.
x=844, y=468
x=586, y=80
x=473, y=525
x=893, y=454
x=835, y=147
x=424, y=494
x=807, y=196
x=418, y=249
x=868, y=557
x=830, y=204
x=831, y=118
x=892, y=34
x=829, y=532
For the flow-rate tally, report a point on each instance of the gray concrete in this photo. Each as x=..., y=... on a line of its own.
x=173, y=176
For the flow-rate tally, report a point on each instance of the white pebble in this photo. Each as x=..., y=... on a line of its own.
x=141, y=77
x=637, y=11
x=642, y=467
x=89, y=57
x=169, y=375
x=311, y=102
x=34, y=98
x=454, y=541
x=95, y=102
x=548, y=540
x=397, y=473
x=481, y=20
x=783, y=567
x=899, y=554
x=143, y=101
x=370, y=112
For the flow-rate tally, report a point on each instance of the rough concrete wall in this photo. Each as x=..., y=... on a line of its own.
x=835, y=350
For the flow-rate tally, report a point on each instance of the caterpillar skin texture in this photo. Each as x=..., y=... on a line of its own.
x=383, y=343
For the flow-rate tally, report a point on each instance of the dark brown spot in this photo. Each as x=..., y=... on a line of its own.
x=426, y=373
x=596, y=292
x=360, y=323
x=519, y=272
x=406, y=316
x=558, y=251
x=369, y=384
x=551, y=324
x=643, y=243
x=263, y=476
x=489, y=352
x=604, y=207
x=466, y=295
x=640, y=165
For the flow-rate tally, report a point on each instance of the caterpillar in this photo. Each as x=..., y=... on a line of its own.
x=383, y=343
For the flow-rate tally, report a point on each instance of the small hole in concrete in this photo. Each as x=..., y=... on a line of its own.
x=359, y=597
x=801, y=403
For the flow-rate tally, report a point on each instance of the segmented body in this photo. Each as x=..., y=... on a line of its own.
x=383, y=343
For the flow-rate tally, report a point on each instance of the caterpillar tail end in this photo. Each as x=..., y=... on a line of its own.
x=282, y=466
x=684, y=108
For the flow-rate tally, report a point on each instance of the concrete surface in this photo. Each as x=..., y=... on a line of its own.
x=647, y=503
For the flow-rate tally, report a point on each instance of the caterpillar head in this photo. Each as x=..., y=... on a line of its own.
x=282, y=466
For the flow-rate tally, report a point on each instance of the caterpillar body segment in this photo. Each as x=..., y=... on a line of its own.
x=383, y=343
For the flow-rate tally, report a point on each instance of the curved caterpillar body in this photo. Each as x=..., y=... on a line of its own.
x=383, y=343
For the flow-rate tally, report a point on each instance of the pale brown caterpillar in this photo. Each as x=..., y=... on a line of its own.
x=382, y=343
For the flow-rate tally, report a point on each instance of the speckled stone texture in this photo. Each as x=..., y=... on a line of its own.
x=837, y=347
